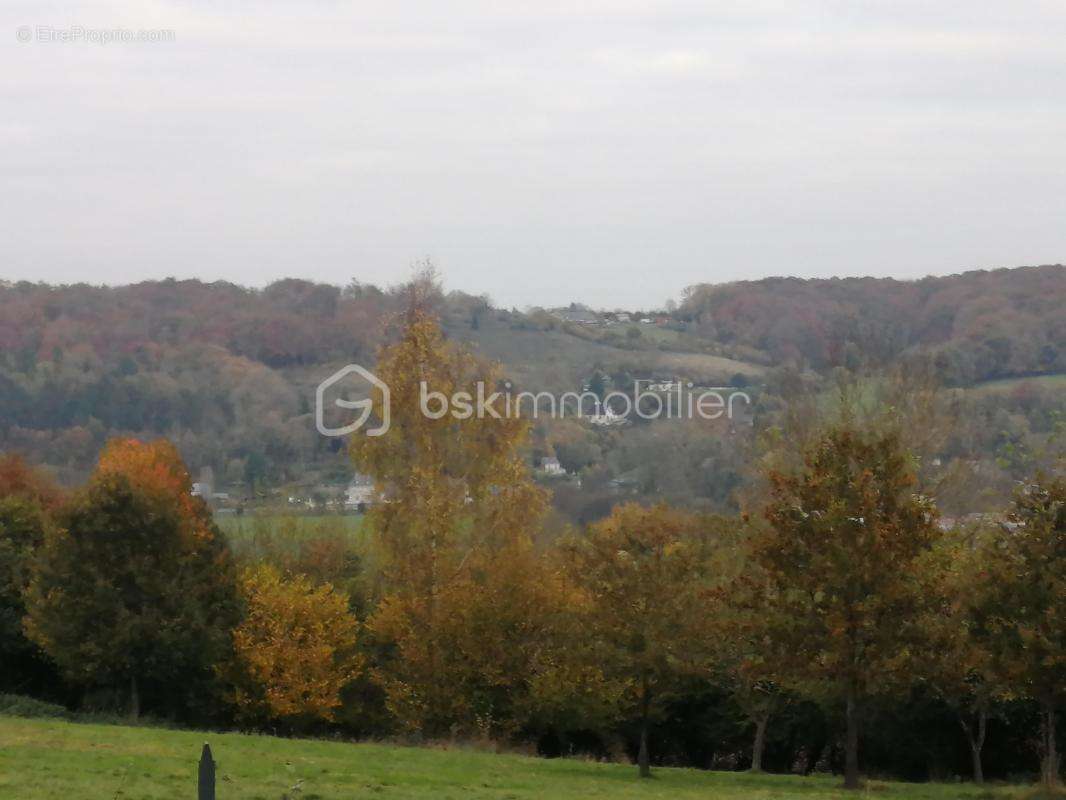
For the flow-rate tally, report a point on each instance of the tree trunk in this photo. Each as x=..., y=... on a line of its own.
x=978, y=768
x=642, y=754
x=759, y=744
x=976, y=740
x=1049, y=769
x=643, y=761
x=135, y=699
x=851, y=741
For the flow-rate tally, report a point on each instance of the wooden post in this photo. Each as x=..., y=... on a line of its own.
x=207, y=774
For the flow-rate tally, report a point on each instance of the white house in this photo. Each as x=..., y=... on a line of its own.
x=360, y=491
x=551, y=466
x=606, y=416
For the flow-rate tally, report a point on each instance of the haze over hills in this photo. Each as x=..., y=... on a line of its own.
x=229, y=373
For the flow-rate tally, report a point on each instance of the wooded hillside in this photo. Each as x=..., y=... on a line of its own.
x=228, y=372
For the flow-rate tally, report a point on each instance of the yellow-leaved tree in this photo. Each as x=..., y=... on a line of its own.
x=462, y=595
x=295, y=649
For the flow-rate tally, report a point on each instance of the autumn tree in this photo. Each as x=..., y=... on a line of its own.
x=841, y=555
x=134, y=585
x=958, y=665
x=27, y=499
x=641, y=571
x=157, y=468
x=295, y=648
x=745, y=653
x=1024, y=585
x=20, y=479
x=573, y=686
x=455, y=534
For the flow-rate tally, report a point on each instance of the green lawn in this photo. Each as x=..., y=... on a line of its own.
x=46, y=760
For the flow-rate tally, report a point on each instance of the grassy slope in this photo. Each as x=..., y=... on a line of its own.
x=47, y=760
x=1056, y=381
x=546, y=359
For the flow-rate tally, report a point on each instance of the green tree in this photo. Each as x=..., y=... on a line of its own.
x=958, y=664
x=27, y=499
x=22, y=529
x=842, y=556
x=255, y=469
x=126, y=593
x=1024, y=587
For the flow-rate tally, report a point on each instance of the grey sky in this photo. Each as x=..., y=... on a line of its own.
x=611, y=151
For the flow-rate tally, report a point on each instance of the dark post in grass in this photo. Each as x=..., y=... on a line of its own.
x=207, y=774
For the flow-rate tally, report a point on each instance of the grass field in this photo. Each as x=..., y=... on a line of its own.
x=53, y=760
x=249, y=534
x=556, y=360
x=1057, y=381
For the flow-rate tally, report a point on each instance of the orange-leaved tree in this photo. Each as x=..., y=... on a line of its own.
x=157, y=467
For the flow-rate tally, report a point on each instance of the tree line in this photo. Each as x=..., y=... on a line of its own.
x=837, y=593
x=979, y=325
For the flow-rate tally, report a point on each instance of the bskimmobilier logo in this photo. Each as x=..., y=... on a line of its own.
x=648, y=401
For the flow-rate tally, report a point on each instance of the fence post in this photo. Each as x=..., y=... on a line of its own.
x=207, y=774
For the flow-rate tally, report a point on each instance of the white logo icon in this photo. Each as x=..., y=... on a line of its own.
x=366, y=406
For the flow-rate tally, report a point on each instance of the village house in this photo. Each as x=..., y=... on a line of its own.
x=204, y=489
x=360, y=491
x=606, y=416
x=551, y=466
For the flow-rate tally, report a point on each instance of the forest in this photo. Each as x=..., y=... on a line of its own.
x=838, y=620
x=228, y=373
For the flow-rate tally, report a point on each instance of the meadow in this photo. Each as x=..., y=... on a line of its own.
x=58, y=760
x=251, y=535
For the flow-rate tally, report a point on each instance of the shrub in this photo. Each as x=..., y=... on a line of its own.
x=17, y=705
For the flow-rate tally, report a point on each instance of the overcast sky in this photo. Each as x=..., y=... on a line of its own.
x=610, y=151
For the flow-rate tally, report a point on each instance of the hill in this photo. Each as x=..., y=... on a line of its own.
x=229, y=373
x=981, y=325
x=53, y=760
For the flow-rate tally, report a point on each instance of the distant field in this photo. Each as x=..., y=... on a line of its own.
x=1010, y=384
x=51, y=760
x=555, y=360
x=254, y=531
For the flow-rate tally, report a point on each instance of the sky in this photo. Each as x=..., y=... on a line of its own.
x=611, y=152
